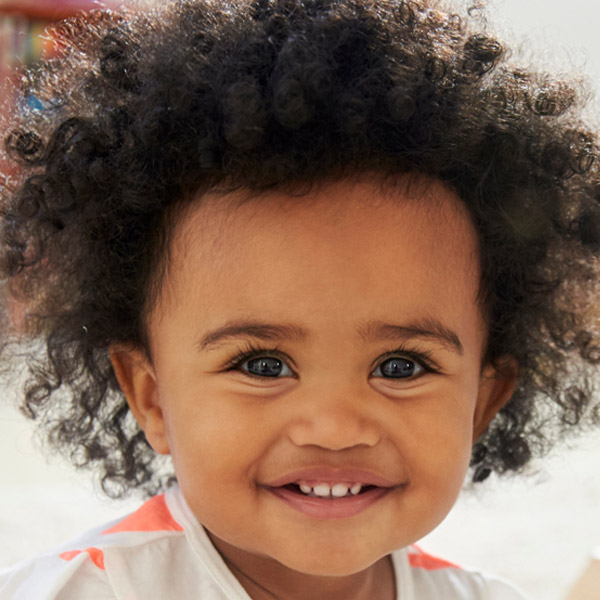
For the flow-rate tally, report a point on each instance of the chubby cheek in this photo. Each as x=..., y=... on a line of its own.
x=437, y=450
x=445, y=445
x=443, y=464
x=214, y=451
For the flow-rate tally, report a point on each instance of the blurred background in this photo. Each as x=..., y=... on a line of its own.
x=539, y=532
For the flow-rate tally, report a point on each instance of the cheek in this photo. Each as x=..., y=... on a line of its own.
x=217, y=448
x=213, y=440
x=438, y=451
x=445, y=452
x=440, y=429
x=206, y=457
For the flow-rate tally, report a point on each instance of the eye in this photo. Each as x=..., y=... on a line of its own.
x=398, y=367
x=260, y=363
x=266, y=366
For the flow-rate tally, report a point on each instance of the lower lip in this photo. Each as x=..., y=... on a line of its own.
x=331, y=508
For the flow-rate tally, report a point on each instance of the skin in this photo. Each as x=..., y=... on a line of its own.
x=347, y=254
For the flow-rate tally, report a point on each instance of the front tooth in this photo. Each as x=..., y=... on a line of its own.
x=322, y=489
x=339, y=490
x=355, y=489
x=306, y=489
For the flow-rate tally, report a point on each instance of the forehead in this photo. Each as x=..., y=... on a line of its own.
x=354, y=208
x=409, y=245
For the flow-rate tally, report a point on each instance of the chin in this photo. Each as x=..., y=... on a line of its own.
x=338, y=562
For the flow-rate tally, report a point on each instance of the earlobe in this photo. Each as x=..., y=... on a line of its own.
x=138, y=382
x=496, y=387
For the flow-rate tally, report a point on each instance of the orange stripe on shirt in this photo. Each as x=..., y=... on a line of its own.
x=151, y=516
x=422, y=560
x=95, y=554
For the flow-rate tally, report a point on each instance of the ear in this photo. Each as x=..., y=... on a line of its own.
x=496, y=387
x=136, y=377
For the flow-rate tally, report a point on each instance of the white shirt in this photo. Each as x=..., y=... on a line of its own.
x=162, y=552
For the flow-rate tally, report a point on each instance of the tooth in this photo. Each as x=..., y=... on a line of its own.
x=339, y=490
x=306, y=489
x=322, y=489
x=355, y=489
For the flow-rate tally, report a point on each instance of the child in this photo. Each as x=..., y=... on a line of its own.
x=327, y=255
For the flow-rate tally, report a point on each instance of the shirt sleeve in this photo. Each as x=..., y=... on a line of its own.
x=50, y=578
x=498, y=589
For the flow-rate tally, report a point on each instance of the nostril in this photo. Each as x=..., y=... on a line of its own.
x=334, y=432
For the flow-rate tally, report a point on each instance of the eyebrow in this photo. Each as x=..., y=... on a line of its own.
x=427, y=328
x=262, y=331
x=371, y=332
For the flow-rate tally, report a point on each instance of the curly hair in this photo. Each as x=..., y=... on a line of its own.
x=143, y=111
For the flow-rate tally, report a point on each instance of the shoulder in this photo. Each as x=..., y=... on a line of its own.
x=96, y=564
x=46, y=577
x=434, y=578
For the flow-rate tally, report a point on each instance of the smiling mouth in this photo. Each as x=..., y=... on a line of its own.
x=324, y=492
x=328, y=491
x=330, y=501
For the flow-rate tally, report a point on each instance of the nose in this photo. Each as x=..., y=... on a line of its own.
x=334, y=419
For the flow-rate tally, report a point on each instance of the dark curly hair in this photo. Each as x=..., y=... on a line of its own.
x=143, y=111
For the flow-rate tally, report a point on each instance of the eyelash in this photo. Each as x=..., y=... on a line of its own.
x=251, y=351
x=423, y=358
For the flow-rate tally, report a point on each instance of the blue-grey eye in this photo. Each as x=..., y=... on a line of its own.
x=266, y=366
x=398, y=368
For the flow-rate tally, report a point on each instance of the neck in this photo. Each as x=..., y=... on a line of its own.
x=266, y=579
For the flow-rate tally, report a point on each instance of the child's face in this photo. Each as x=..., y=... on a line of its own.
x=364, y=308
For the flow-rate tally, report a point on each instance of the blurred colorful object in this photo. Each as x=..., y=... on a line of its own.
x=23, y=35
x=50, y=10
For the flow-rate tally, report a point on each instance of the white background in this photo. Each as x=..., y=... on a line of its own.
x=538, y=532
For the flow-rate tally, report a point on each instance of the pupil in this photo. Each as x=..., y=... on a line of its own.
x=265, y=367
x=398, y=367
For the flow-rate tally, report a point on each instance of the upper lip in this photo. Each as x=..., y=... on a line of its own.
x=331, y=475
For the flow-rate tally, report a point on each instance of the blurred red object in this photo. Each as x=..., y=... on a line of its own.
x=51, y=10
